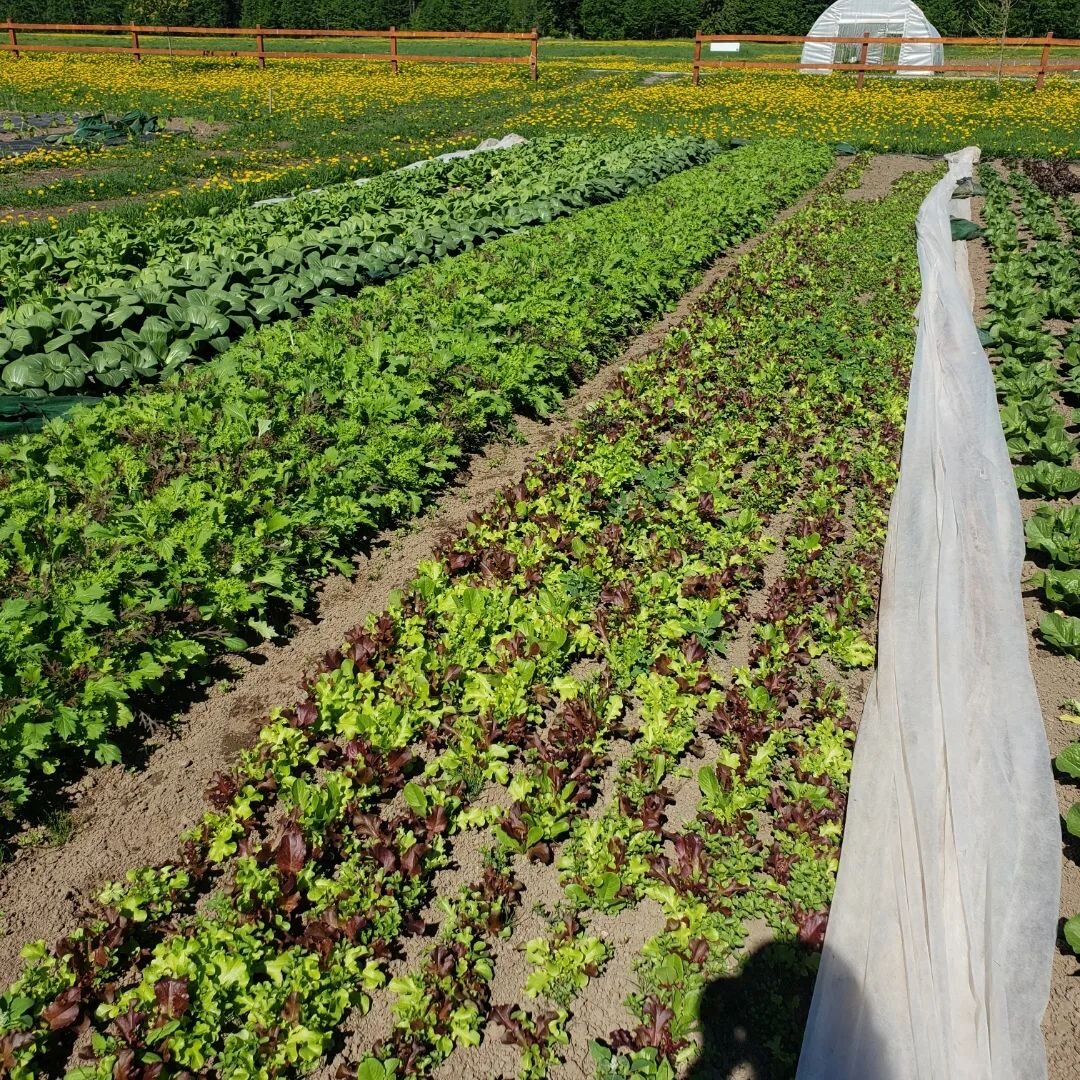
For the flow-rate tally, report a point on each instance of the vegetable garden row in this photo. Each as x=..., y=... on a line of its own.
x=1032, y=224
x=103, y=307
x=148, y=534
x=1035, y=283
x=625, y=672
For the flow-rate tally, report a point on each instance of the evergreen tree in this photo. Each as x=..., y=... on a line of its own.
x=1039, y=16
x=435, y=15
x=260, y=13
x=602, y=19
x=523, y=15
x=174, y=12
x=805, y=13
x=944, y=15
x=565, y=16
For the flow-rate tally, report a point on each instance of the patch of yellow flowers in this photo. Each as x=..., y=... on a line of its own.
x=298, y=117
x=887, y=113
x=234, y=90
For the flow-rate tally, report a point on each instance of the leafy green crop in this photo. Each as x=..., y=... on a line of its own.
x=1062, y=632
x=568, y=641
x=1061, y=587
x=1047, y=479
x=1034, y=285
x=143, y=537
x=158, y=320
x=1036, y=279
x=44, y=269
x=1071, y=931
x=1068, y=761
x=1057, y=533
x=1035, y=431
x=563, y=965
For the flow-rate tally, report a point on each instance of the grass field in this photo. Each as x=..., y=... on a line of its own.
x=241, y=133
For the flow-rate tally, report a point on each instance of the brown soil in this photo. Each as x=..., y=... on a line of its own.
x=201, y=129
x=44, y=177
x=36, y=213
x=22, y=132
x=600, y=1008
x=979, y=266
x=125, y=818
x=885, y=169
x=1057, y=679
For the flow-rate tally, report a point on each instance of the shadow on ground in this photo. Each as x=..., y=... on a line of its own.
x=752, y=1022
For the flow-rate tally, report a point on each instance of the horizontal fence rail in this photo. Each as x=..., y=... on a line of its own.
x=867, y=65
x=137, y=50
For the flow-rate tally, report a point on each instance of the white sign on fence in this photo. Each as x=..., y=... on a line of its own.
x=724, y=46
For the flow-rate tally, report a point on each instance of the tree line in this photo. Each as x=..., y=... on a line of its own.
x=596, y=19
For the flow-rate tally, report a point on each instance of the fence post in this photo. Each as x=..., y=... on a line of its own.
x=12, y=39
x=135, y=54
x=260, y=47
x=393, y=50
x=864, y=50
x=697, y=58
x=1041, y=78
x=533, y=68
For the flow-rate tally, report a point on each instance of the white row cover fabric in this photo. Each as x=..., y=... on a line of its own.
x=936, y=964
x=481, y=148
x=878, y=18
x=488, y=144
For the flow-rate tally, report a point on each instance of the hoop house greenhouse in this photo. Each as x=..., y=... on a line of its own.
x=882, y=18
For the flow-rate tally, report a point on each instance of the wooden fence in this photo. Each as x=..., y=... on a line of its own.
x=865, y=65
x=136, y=50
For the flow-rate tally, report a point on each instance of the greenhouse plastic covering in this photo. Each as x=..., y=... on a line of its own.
x=878, y=18
x=936, y=964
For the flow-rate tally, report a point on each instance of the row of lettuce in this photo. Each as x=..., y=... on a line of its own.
x=93, y=325
x=1032, y=224
x=545, y=683
x=1033, y=300
x=144, y=537
x=129, y=251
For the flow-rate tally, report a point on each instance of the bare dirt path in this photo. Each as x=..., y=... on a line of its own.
x=127, y=818
x=885, y=169
x=1057, y=679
